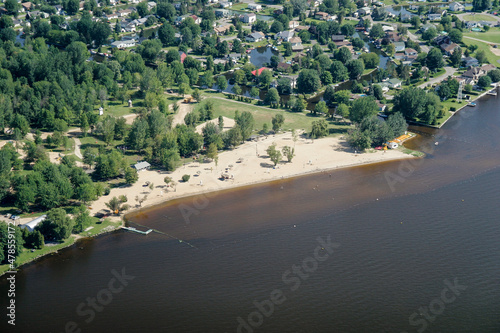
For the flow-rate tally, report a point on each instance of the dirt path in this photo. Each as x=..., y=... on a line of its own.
x=480, y=40
x=184, y=109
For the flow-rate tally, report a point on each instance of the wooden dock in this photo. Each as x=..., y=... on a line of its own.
x=138, y=231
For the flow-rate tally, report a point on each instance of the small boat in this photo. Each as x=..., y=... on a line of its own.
x=492, y=92
x=471, y=104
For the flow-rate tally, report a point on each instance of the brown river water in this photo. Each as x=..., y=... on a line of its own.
x=404, y=246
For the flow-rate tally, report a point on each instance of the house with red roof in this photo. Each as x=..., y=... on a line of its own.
x=183, y=56
x=259, y=71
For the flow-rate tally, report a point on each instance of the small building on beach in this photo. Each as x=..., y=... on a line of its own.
x=142, y=166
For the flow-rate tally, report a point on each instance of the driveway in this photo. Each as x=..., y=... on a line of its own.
x=448, y=72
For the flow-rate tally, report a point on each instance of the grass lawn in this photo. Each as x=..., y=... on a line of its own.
x=239, y=6
x=477, y=17
x=493, y=59
x=293, y=120
x=119, y=109
x=493, y=35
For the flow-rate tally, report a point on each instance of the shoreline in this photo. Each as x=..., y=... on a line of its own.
x=263, y=172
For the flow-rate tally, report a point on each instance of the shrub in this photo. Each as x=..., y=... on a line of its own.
x=185, y=178
x=107, y=190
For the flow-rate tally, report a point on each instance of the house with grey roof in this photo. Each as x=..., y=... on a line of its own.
x=284, y=35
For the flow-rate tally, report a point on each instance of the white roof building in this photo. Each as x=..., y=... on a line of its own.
x=31, y=225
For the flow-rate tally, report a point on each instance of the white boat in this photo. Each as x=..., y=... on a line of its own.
x=471, y=104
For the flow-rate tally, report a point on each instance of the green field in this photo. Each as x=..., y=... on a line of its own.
x=293, y=120
x=493, y=59
x=477, y=17
x=492, y=35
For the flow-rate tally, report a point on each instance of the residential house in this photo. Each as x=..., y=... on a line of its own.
x=284, y=35
x=457, y=7
x=470, y=62
x=284, y=67
x=338, y=38
x=225, y=4
x=321, y=16
x=448, y=48
x=426, y=27
x=122, y=44
x=221, y=13
x=36, y=13
x=221, y=30
x=434, y=17
x=112, y=16
x=473, y=74
x=259, y=71
x=196, y=19
x=399, y=46
x=400, y=56
x=254, y=6
x=124, y=12
x=59, y=9
x=177, y=5
x=151, y=5
x=182, y=56
x=443, y=39
x=296, y=43
x=255, y=37
x=293, y=24
x=394, y=83
x=16, y=22
x=302, y=28
x=409, y=52
x=27, y=5
x=248, y=18
x=234, y=57
x=364, y=11
x=393, y=36
x=278, y=12
x=180, y=19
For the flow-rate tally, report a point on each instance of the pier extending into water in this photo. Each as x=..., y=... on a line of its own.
x=137, y=230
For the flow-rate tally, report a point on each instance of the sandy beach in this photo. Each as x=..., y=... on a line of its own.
x=245, y=165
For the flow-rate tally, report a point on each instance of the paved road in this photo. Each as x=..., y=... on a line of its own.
x=423, y=47
x=448, y=72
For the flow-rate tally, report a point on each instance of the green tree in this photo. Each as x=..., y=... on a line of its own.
x=321, y=108
x=355, y=68
x=455, y=36
x=274, y=154
x=308, y=81
x=116, y=205
x=319, y=128
x=289, y=153
x=364, y=107
x=82, y=219
x=12, y=6
x=221, y=82
x=273, y=97
x=434, y=59
x=342, y=110
x=278, y=120
x=254, y=92
x=377, y=31
x=131, y=176
x=57, y=225
x=484, y=81
x=429, y=34
x=245, y=122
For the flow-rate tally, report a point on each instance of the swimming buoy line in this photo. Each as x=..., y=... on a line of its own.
x=163, y=233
